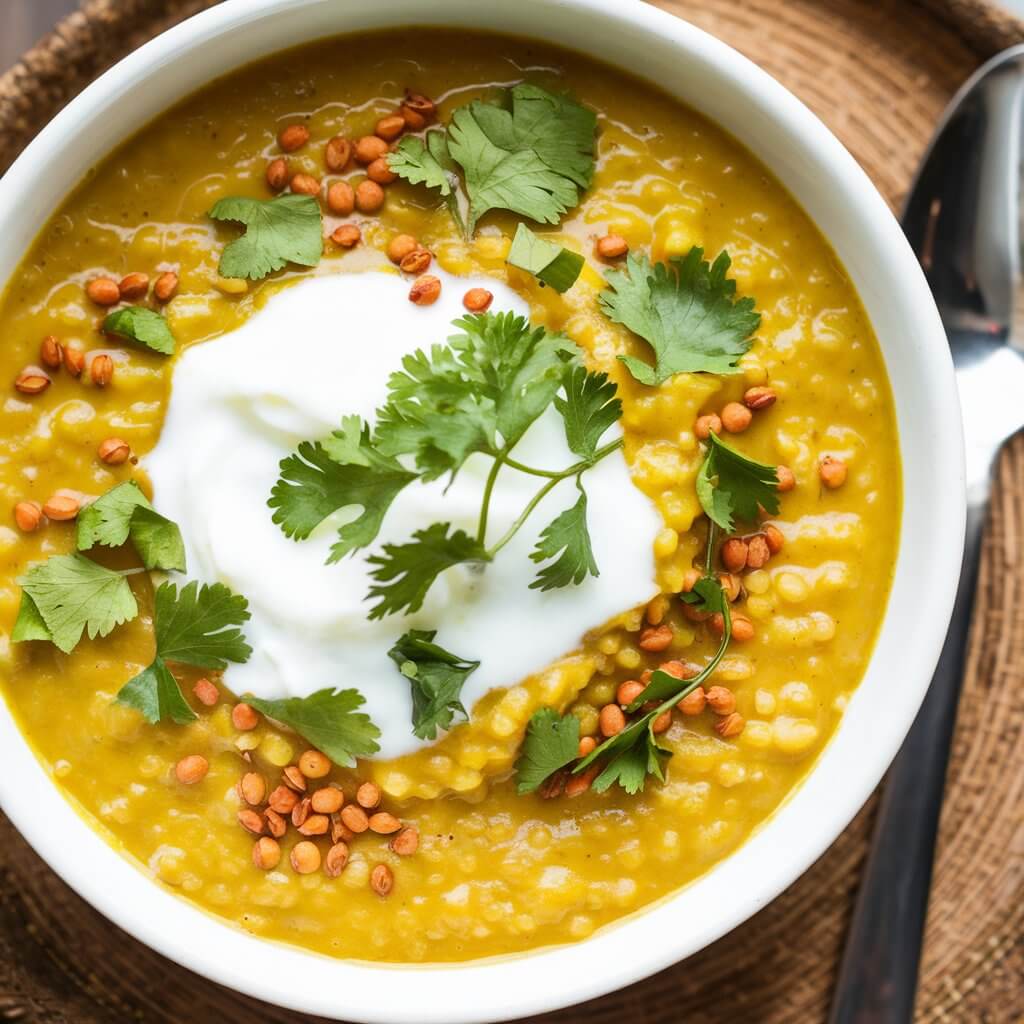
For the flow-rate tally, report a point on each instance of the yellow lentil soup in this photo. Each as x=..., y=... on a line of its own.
x=435, y=855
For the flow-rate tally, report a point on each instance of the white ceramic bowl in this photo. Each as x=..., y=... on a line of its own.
x=810, y=162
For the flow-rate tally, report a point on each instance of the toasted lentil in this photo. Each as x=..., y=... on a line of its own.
x=28, y=515
x=382, y=881
x=113, y=451
x=278, y=174
x=336, y=859
x=192, y=769
x=405, y=842
x=337, y=154
x=244, y=717
x=327, y=800
x=354, y=818
x=314, y=765
x=477, y=300
x=266, y=853
x=368, y=795
x=293, y=137
x=341, y=198
x=305, y=857
x=346, y=235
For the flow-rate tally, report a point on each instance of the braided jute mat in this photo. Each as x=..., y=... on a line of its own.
x=879, y=73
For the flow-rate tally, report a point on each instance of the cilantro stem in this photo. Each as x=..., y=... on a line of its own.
x=533, y=503
x=710, y=551
x=553, y=477
x=485, y=507
x=689, y=685
x=574, y=469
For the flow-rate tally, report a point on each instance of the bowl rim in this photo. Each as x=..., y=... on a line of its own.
x=649, y=939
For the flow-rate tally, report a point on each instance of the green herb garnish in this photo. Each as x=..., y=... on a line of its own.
x=405, y=572
x=436, y=677
x=729, y=484
x=197, y=625
x=143, y=325
x=635, y=753
x=551, y=742
x=428, y=162
x=479, y=393
x=70, y=594
x=686, y=310
x=530, y=153
x=284, y=230
x=329, y=720
x=125, y=512
x=567, y=540
x=344, y=470
x=549, y=262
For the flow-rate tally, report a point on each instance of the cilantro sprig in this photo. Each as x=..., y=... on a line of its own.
x=687, y=311
x=199, y=626
x=69, y=596
x=479, y=393
x=729, y=485
x=531, y=152
x=436, y=677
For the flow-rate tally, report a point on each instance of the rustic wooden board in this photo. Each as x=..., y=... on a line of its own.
x=879, y=74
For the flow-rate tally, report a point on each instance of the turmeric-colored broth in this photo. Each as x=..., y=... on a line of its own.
x=495, y=872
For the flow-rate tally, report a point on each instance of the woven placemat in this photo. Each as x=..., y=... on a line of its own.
x=879, y=73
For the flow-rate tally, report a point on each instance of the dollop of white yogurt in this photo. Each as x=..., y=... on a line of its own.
x=322, y=349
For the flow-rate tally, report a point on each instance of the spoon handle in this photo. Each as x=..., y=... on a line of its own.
x=878, y=974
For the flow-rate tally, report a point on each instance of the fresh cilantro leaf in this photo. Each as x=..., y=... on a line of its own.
x=283, y=230
x=568, y=538
x=405, y=572
x=195, y=626
x=519, y=367
x=436, y=411
x=343, y=471
x=631, y=767
x=156, y=694
x=157, y=540
x=730, y=485
x=418, y=164
x=199, y=625
x=531, y=155
x=125, y=512
x=588, y=409
x=143, y=325
x=328, y=719
x=549, y=262
x=686, y=310
x=707, y=595
x=68, y=595
x=430, y=165
x=498, y=375
x=436, y=677
x=29, y=624
x=552, y=741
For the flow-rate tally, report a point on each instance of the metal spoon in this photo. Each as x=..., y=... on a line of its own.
x=963, y=220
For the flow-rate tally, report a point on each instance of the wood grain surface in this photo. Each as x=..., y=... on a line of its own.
x=879, y=74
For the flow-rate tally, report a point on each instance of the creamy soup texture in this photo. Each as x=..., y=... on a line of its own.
x=444, y=858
